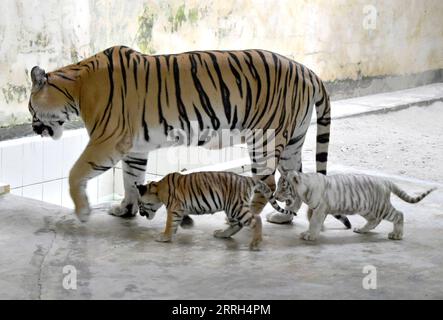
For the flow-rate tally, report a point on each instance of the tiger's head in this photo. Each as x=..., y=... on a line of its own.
x=285, y=192
x=149, y=202
x=50, y=103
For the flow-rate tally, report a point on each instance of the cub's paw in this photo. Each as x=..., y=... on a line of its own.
x=220, y=234
x=187, y=222
x=123, y=211
x=83, y=214
x=395, y=236
x=255, y=245
x=279, y=218
x=307, y=236
x=163, y=238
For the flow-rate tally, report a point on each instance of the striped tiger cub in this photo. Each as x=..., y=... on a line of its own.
x=345, y=194
x=206, y=192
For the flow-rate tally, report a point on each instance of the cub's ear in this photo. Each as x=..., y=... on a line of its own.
x=38, y=77
x=141, y=189
x=293, y=177
x=153, y=187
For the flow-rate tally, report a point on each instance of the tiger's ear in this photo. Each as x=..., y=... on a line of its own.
x=153, y=187
x=38, y=77
x=141, y=188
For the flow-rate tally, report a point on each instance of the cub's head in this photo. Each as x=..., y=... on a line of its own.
x=149, y=201
x=50, y=103
x=286, y=192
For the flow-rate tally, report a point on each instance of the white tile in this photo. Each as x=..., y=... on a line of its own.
x=152, y=177
x=52, y=159
x=152, y=162
x=167, y=161
x=106, y=186
x=52, y=192
x=66, y=197
x=17, y=191
x=32, y=162
x=92, y=191
x=119, y=189
x=72, y=149
x=85, y=139
x=33, y=192
x=12, y=165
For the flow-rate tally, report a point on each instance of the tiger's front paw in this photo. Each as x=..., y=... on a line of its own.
x=162, y=237
x=83, y=214
x=308, y=236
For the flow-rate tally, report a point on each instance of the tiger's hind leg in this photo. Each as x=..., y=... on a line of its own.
x=232, y=229
x=247, y=218
x=371, y=223
x=396, y=217
x=134, y=169
x=289, y=161
x=264, y=157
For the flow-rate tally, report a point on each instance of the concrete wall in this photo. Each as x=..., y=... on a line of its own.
x=338, y=39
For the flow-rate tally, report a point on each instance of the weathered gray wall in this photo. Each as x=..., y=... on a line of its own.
x=340, y=39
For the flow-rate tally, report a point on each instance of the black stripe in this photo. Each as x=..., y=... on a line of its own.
x=108, y=54
x=237, y=78
x=134, y=69
x=144, y=124
x=98, y=167
x=323, y=138
x=321, y=157
x=180, y=104
x=225, y=94
x=204, y=99
x=123, y=71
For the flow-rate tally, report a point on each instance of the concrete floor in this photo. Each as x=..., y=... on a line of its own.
x=119, y=259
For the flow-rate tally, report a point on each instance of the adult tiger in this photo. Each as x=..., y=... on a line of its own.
x=131, y=102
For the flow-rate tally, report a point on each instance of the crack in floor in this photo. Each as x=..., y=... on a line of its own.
x=46, y=229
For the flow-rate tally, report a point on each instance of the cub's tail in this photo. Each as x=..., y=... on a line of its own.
x=264, y=189
x=404, y=196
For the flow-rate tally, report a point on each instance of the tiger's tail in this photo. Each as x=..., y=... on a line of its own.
x=323, y=109
x=264, y=189
x=406, y=197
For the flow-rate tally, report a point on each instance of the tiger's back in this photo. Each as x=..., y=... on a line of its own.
x=152, y=95
x=208, y=192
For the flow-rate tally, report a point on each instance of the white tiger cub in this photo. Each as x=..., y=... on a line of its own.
x=345, y=194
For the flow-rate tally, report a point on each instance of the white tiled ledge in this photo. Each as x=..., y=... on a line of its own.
x=38, y=168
